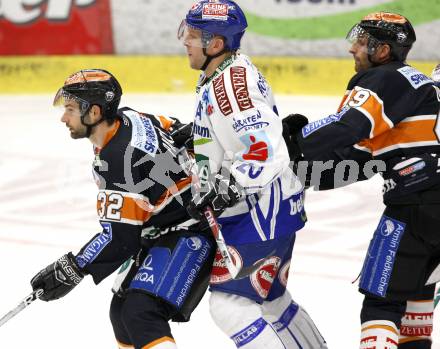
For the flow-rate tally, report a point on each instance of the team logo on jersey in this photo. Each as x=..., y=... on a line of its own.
x=221, y=96
x=296, y=206
x=215, y=11
x=308, y=129
x=262, y=85
x=209, y=109
x=201, y=131
x=220, y=273
x=415, y=77
x=411, y=169
x=263, y=278
x=249, y=123
x=283, y=275
x=144, y=135
x=257, y=150
x=257, y=146
x=96, y=246
x=240, y=88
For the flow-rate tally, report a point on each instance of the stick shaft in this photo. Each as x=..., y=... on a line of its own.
x=23, y=304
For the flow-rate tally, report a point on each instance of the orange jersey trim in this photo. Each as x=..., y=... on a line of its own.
x=165, y=122
x=135, y=208
x=344, y=100
x=178, y=187
x=111, y=133
x=368, y=103
x=414, y=133
x=158, y=341
x=124, y=346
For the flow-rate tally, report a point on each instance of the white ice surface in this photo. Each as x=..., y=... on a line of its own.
x=47, y=207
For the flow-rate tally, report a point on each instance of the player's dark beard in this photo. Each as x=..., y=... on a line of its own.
x=80, y=133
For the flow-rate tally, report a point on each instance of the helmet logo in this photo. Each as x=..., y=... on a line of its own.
x=75, y=78
x=401, y=37
x=215, y=11
x=109, y=95
x=386, y=17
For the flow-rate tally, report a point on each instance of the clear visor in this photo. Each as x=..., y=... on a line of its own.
x=436, y=73
x=193, y=37
x=362, y=39
x=64, y=99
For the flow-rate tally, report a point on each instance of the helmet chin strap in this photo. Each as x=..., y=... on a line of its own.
x=209, y=58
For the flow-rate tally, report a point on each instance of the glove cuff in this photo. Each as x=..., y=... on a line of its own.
x=70, y=268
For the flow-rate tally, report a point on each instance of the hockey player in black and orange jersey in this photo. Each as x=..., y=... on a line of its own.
x=390, y=112
x=142, y=194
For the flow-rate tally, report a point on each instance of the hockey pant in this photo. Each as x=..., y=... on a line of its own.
x=166, y=283
x=278, y=324
x=140, y=321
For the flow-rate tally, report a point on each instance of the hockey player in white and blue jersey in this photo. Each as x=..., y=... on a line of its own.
x=243, y=166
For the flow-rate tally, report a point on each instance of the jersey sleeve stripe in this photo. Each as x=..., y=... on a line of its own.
x=165, y=122
x=406, y=134
x=136, y=209
x=346, y=97
x=373, y=109
x=171, y=192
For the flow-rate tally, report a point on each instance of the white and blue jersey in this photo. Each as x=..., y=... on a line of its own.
x=237, y=127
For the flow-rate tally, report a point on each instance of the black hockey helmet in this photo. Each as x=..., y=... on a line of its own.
x=385, y=27
x=92, y=87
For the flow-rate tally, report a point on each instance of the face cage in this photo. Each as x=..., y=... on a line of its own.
x=182, y=35
x=63, y=97
x=356, y=36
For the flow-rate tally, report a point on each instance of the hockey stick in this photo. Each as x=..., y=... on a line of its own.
x=235, y=271
x=23, y=304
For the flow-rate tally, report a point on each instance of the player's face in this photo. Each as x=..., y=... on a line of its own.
x=194, y=51
x=359, y=50
x=72, y=119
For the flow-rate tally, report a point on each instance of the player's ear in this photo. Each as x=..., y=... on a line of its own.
x=217, y=45
x=95, y=113
x=383, y=52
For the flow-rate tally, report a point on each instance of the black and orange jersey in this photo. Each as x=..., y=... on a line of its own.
x=140, y=183
x=390, y=110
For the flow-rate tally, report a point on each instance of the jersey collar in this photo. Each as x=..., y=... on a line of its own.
x=203, y=80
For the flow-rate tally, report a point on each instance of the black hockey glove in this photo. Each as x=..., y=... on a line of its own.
x=219, y=193
x=182, y=135
x=58, y=278
x=292, y=125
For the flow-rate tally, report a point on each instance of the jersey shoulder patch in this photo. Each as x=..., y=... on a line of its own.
x=231, y=90
x=240, y=88
x=415, y=77
x=221, y=95
x=143, y=136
